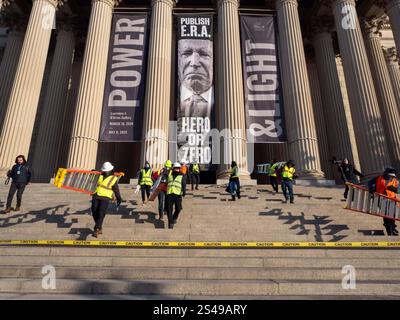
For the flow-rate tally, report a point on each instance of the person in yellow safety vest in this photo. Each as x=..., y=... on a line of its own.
x=175, y=191
x=288, y=174
x=145, y=181
x=195, y=175
x=106, y=190
x=164, y=172
x=234, y=182
x=273, y=177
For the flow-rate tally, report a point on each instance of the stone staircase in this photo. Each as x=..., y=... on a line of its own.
x=208, y=215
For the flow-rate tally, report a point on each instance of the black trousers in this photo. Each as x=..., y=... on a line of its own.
x=15, y=187
x=274, y=183
x=99, y=210
x=195, y=179
x=173, y=200
x=162, y=206
x=145, y=191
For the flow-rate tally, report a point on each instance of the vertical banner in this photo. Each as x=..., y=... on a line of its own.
x=264, y=108
x=124, y=91
x=195, y=110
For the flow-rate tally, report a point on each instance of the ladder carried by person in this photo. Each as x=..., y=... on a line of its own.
x=361, y=200
x=84, y=181
x=263, y=168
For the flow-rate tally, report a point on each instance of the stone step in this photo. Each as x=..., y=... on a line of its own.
x=198, y=273
x=152, y=261
x=200, y=287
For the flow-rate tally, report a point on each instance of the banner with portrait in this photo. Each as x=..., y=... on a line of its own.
x=262, y=83
x=195, y=87
x=124, y=91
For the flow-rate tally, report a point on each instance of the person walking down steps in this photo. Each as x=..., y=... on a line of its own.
x=21, y=175
x=234, y=182
x=288, y=176
x=176, y=190
x=145, y=181
x=107, y=188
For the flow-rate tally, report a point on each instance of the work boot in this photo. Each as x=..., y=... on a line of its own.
x=8, y=210
x=395, y=231
x=291, y=200
x=170, y=226
x=161, y=216
x=388, y=229
x=96, y=233
x=285, y=201
x=238, y=195
x=17, y=209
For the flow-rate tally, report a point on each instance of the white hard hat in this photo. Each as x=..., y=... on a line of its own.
x=107, y=166
x=176, y=165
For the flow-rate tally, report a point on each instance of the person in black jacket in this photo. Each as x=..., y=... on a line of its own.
x=348, y=173
x=21, y=175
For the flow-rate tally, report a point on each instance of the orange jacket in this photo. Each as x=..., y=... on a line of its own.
x=382, y=186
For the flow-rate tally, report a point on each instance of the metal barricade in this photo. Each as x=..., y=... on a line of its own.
x=361, y=200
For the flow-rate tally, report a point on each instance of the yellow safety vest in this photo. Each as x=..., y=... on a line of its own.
x=196, y=168
x=272, y=172
x=288, y=173
x=174, y=185
x=146, y=178
x=234, y=172
x=104, y=188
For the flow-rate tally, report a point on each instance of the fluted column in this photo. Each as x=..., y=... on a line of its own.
x=158, y=85
x=231, y=97
x=85, y=135
x=363, y=101
x=299, y=118
x=393, y=11
x=48, y=139
x=334, y=108
x=8, y=68
x=392, y=62
x=20, y=116
x=387, y=101
x=320, y=124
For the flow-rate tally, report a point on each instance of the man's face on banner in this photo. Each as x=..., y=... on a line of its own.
x=195, y=64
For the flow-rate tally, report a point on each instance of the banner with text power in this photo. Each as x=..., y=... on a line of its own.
x=124, y=90
x=264, y=108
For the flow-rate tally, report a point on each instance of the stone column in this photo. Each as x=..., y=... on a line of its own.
x=394, y=72
x=85, y=135
x=299, y=118
x=49, y=134
x=386, y=98
x=231, y=97
x=320, y=124
x=393, y=11
x=334, y=107
x=22, y=105
x=158, y=85
x=367, y=122
x=8, y=67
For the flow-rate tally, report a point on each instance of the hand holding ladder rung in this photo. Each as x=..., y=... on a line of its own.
x=361, y=200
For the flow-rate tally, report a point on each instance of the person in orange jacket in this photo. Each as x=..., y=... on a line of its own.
x=388, y=185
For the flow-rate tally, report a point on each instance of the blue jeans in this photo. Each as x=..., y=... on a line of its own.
x=287, y=185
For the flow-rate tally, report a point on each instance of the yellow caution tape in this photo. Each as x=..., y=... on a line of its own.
x=188, y=244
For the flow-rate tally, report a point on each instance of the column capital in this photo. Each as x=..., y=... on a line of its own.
x=391, y=55
x=372, y=27
x=55, y=3
x=111, y=3
x=4, y=3
x=333, y=3
x=234, y=2
x=170, y=3
x=280, y=3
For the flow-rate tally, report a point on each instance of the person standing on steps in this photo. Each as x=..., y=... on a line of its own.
x=234, y=182
x=145, y=181
x=164, y=173
x=21, y=175
x=273, y=176
x=288, y=174
x=348, y=173
x=388, y=185
x=107, y=188
x=195, y=174
x=176, y=190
